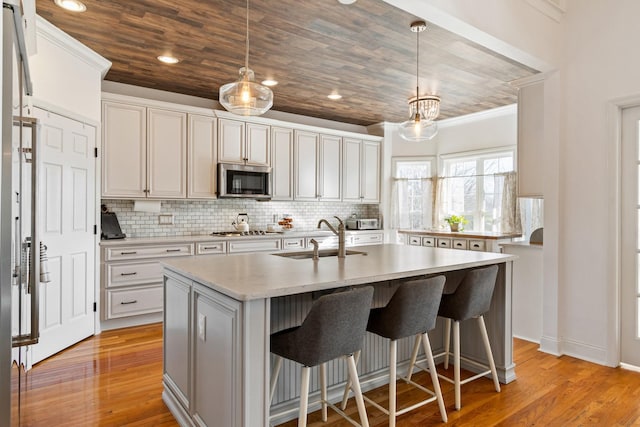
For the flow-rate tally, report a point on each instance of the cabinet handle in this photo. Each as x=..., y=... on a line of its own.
x=129, y=274
x=476, y=245
x=211, y=247
x=129, y=253
x=292, y=244
x=128, y=302
x=174, y=250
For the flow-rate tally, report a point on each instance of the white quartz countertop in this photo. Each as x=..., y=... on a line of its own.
x=259, y=275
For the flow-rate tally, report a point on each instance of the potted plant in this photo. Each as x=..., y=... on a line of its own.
x=455, y=221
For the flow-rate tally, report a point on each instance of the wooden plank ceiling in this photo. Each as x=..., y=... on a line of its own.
x=364, y=51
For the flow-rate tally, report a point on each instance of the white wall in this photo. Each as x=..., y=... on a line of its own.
x=66, y=75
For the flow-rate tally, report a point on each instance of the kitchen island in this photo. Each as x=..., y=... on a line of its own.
x=220, y=311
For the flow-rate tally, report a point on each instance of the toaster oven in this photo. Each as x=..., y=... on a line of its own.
x=362, y=224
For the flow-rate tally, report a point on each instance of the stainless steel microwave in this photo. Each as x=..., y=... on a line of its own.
x=244, y=181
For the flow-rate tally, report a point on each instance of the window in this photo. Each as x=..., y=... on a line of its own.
x=473, y=185
x=413, y=193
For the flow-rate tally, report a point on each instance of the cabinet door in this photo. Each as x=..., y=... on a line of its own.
x=329, y=170
x=124, y=150
x=370, y=170
x=282, y=163
x=177, y=341
x=305, y=165
x=257, y=145
x=203, y=158
x=530, y=140
x=231, y=141
x=167, y=154
x=351, y=174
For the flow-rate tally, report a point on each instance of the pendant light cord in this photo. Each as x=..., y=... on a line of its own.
x=417, y=63
x=246, y=57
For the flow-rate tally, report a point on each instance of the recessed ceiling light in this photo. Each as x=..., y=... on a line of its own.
x=347, y=1
x=71, y=5
x=334, y=96
x=168, y=59
x=269, y=82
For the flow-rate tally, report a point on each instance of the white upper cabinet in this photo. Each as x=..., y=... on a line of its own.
x=243, y=143
x=329, y=170
x=282, y=163
x=530, y=156
x=144, y=152
x=361, y=171
x=166, y=154
x=305, y=165
x=202, y=158
x=124, y=150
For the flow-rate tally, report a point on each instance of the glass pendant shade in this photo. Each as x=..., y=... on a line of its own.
x=245, y=97
x=421, y=125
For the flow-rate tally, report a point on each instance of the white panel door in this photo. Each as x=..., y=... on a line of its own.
x=203, y=158
x=124, y=150
x=231, y=141
x=257, y=145
x=282, y=163
x=329, y=170
x=351, y=174
x=167, y=154
x=67, y=218
x=305, y=165
x=370, y=172
x=630, y=235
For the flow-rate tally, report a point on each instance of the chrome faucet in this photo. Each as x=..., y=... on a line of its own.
x=315, y=244
x=342, y=253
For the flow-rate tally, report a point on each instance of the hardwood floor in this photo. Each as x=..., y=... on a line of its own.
x=115, y=379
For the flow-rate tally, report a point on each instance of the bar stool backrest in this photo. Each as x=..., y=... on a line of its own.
x=335, y=326
x=412, y=310
x=473, y=296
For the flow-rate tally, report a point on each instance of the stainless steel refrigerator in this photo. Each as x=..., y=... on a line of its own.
x=19, y=243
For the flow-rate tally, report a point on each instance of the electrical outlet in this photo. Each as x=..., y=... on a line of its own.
x=165, y=219
x=202, y=327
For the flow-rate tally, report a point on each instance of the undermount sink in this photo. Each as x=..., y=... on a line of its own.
x=321, y=253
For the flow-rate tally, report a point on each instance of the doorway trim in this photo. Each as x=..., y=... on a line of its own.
x=614, y=244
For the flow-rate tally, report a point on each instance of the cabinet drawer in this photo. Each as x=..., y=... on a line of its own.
x=133, y=274
x=131, y=302
x=243, y=245
x=141, y=252
x=429, y=241
x=477, y=245
x=326, y=242
x=444, y=243
x=206, y=248
x=367, y=239
x=415, y=240
x=459, y=244
x=293, y=243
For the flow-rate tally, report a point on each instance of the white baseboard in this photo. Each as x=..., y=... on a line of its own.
x=551, y=346
x=584, y=351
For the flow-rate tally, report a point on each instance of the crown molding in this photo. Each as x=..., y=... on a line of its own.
x=482, y=115
x=50, y=32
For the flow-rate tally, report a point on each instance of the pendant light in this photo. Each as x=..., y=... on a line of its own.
x=423, y=110
x=245, y=97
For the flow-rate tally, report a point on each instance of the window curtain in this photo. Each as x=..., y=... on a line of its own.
x=510, y=220
x=413, y=214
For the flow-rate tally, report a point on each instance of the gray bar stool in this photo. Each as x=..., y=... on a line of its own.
x=334, y=327
x=471, y=299
x=412, y=311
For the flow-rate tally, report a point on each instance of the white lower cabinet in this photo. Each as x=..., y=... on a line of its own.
x=133, y=301
x=258, y=245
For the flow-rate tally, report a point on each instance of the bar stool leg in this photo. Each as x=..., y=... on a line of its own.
x=456, y=362
x=274, y=377
x=447, y=339
x=414, y=356
x=304, y=396
x=345, y=395
x=323, y=390
x=393, y=356
x=434, y=375
x=487, y=348
x=353, y=374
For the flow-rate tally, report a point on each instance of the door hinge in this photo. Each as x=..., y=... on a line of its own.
x=95, y=152
x=95, y=229
x=95, y=307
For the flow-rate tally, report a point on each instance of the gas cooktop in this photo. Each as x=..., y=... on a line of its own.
x=242, y=233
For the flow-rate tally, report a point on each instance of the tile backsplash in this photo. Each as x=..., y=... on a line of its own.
x=195, y=217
